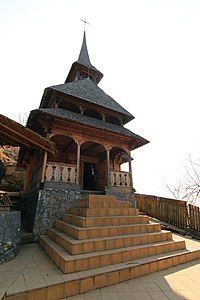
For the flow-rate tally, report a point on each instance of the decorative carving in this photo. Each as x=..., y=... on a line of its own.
x=58, y=172
x=72, y=175
x=112, y=179
x=120, y=179
x=80, y=139
x=49, y=173
x=65, y=174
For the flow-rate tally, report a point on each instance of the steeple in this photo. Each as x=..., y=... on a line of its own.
x=83, y=68
x=84, y=58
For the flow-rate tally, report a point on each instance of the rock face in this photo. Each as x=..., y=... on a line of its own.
x=13, y=180
x=10, y=225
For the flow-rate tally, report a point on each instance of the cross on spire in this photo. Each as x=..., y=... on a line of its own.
x=85, y=23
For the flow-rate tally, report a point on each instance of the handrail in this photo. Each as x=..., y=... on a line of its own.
x=60, y=172
x=120, y=179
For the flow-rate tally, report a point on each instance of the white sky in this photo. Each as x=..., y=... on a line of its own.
x=148, y=51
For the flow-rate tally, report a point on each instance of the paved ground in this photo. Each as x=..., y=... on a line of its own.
x=182, y=282
x=33, y=269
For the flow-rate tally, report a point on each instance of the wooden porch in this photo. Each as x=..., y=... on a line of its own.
x=68, y=173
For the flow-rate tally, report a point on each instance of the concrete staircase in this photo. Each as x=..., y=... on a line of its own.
x=103, y=241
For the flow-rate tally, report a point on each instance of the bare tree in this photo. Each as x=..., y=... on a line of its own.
x=188, y=187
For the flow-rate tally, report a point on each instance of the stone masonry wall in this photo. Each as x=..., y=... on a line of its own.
x=122, y=194
x=54, y=200
x=10, y=226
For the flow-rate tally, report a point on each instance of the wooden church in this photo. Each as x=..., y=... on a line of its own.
x=71, y=194
x=87, y=127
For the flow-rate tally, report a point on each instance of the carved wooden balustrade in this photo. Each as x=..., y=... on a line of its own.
x=60, y=172
x=120, y=179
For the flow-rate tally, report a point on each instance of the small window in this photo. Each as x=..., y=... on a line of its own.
x=69, y=106
x=92, y=113
x=113, y=120
x=84, y=74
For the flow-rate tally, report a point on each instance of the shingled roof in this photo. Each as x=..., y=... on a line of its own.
x=89, y=91
x=89, y=121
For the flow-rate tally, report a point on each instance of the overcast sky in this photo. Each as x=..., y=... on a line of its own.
x=148, y=51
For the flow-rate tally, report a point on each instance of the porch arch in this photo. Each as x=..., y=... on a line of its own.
x=62, y=166
x=119, y=177
x=66, y=149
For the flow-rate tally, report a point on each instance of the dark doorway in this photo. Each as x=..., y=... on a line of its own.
x=89, y=176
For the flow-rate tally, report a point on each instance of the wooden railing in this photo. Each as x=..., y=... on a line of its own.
x=166, y=210
x=194, y=217
x=60, y=172
x=172, y=211
x=120, y=179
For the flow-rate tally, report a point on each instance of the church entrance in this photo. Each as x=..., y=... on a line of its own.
x=89, y=176
x=92, y=171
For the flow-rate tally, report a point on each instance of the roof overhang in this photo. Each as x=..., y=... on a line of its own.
x=13, y=133
x=136, y=141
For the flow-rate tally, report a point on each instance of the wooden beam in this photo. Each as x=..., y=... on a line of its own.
x=78, y=164
x=22, y=137
x=44, y=166
x=108, y=167
x=130, y=169
x=17, y=141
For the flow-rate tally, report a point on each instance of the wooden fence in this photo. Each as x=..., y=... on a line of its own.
x=175, y=212
x=194, y=217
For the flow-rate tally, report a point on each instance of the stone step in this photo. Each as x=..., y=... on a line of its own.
x=105, y=221
x=74, y=263
x=81, y=233
x=85, y=281
x=101, y=202
x=103, y=212
x=85, y=193
x=74, y=246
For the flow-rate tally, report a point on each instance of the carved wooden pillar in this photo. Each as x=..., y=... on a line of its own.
x=44, y=166
x=130, y=170
x=78, y=163
x=108, y=166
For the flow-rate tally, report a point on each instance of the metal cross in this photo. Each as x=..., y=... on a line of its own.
x=85, y=23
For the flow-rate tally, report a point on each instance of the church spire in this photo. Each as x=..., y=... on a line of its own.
x=83, y=68
x=84, y=58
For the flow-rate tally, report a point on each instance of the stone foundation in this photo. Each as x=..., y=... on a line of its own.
x=122, y=194
x=54, y=200
x=10, y=226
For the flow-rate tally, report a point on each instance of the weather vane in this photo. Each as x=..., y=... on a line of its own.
x=85, y=23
